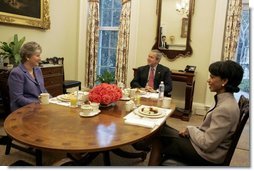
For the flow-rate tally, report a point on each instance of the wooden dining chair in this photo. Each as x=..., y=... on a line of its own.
x=4, y=93
x=5, y=101
x=244, y=116
x=6, y=140
x=21, y=163
x=67, y=83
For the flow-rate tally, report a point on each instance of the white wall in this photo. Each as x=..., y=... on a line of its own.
x=217, y=41
x=67, y=38
x=59, y=40
x=171, y=22
x=201, y=36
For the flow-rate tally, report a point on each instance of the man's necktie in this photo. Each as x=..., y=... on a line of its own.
x=151, y=78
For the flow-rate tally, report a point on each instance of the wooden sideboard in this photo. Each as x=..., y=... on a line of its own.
x=189, y=79
x=53, y=79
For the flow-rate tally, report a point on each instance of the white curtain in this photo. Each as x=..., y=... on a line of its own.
x=92, y=42
x=233, y=26
x=123, y=42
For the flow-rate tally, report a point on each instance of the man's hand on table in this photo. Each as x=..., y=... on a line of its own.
x=150, y=89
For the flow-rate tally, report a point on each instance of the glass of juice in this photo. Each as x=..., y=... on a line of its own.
x=73, y=100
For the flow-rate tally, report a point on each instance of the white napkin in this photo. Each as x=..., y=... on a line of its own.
x=58, y=102
x=133, y=121
x=151, y=95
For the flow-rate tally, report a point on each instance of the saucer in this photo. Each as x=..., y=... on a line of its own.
x=93, y=113
x=125, y=98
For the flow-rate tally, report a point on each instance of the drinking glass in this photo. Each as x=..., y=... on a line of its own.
x=137, y=99
x=73, y=100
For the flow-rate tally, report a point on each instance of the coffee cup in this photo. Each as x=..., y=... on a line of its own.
x=125, y=94
x=86, y=109
x=166, y=102
x=95, y=106
x=133, y=92
x=85, y=96
x=129, y=106
x=127, y=90
x=44, y=98
x=120, y=85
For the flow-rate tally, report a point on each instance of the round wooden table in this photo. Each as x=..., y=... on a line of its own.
x=55, y=127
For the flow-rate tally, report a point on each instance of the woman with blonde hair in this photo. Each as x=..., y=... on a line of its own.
x=26, y=81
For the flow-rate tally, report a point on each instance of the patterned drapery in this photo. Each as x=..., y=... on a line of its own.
x=92, y=42
x=123, y=42
x=233, y=24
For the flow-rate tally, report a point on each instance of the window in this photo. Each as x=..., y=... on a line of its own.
x=242, y=53
x=110, y=11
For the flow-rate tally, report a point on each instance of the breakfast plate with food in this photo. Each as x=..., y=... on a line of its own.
x=141, y=91
x=149, y=111
x=64, y=97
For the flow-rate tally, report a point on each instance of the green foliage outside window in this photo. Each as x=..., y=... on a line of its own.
x=245, y=85
x=106, y=77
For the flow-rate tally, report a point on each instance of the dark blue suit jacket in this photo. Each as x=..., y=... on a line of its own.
x=162, y=74
x=23, y=88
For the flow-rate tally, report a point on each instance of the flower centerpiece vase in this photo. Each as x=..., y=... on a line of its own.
x=105, y=94
x=107, y=105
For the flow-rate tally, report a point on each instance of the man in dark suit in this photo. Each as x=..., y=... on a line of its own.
x=161, y=73
x=163, y=43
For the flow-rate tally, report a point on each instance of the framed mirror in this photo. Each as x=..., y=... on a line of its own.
x=174, y=27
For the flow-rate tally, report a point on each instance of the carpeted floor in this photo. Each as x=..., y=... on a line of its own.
x=240, y=158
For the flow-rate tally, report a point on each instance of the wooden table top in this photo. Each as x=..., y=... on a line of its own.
x=55, y=127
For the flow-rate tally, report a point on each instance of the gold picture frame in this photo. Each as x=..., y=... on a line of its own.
x=184, y=29
x=32, y=13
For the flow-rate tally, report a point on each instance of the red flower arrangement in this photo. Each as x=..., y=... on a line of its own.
x=105, y=93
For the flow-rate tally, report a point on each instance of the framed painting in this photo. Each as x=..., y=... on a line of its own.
x=33, y=13
x=184, y=29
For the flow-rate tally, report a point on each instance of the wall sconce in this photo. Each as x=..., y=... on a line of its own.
x=183, y=7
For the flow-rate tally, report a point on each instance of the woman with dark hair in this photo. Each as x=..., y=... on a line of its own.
x=26, y=80
x=208, y=143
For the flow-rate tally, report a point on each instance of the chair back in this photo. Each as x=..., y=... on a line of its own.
x=67, y=83
x=244, y=116
x=4, y=91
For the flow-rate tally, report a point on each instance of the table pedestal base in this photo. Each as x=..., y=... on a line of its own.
x=87, y=158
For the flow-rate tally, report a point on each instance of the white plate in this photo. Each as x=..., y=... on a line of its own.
x=154, y=115
x=152, y=110
x=149, y=116
x=66, y=97
x=125, y=98
x=93, y=113
x=142, y=92
x=63, y=97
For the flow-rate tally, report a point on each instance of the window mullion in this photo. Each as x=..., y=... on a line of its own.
x=108, y=40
